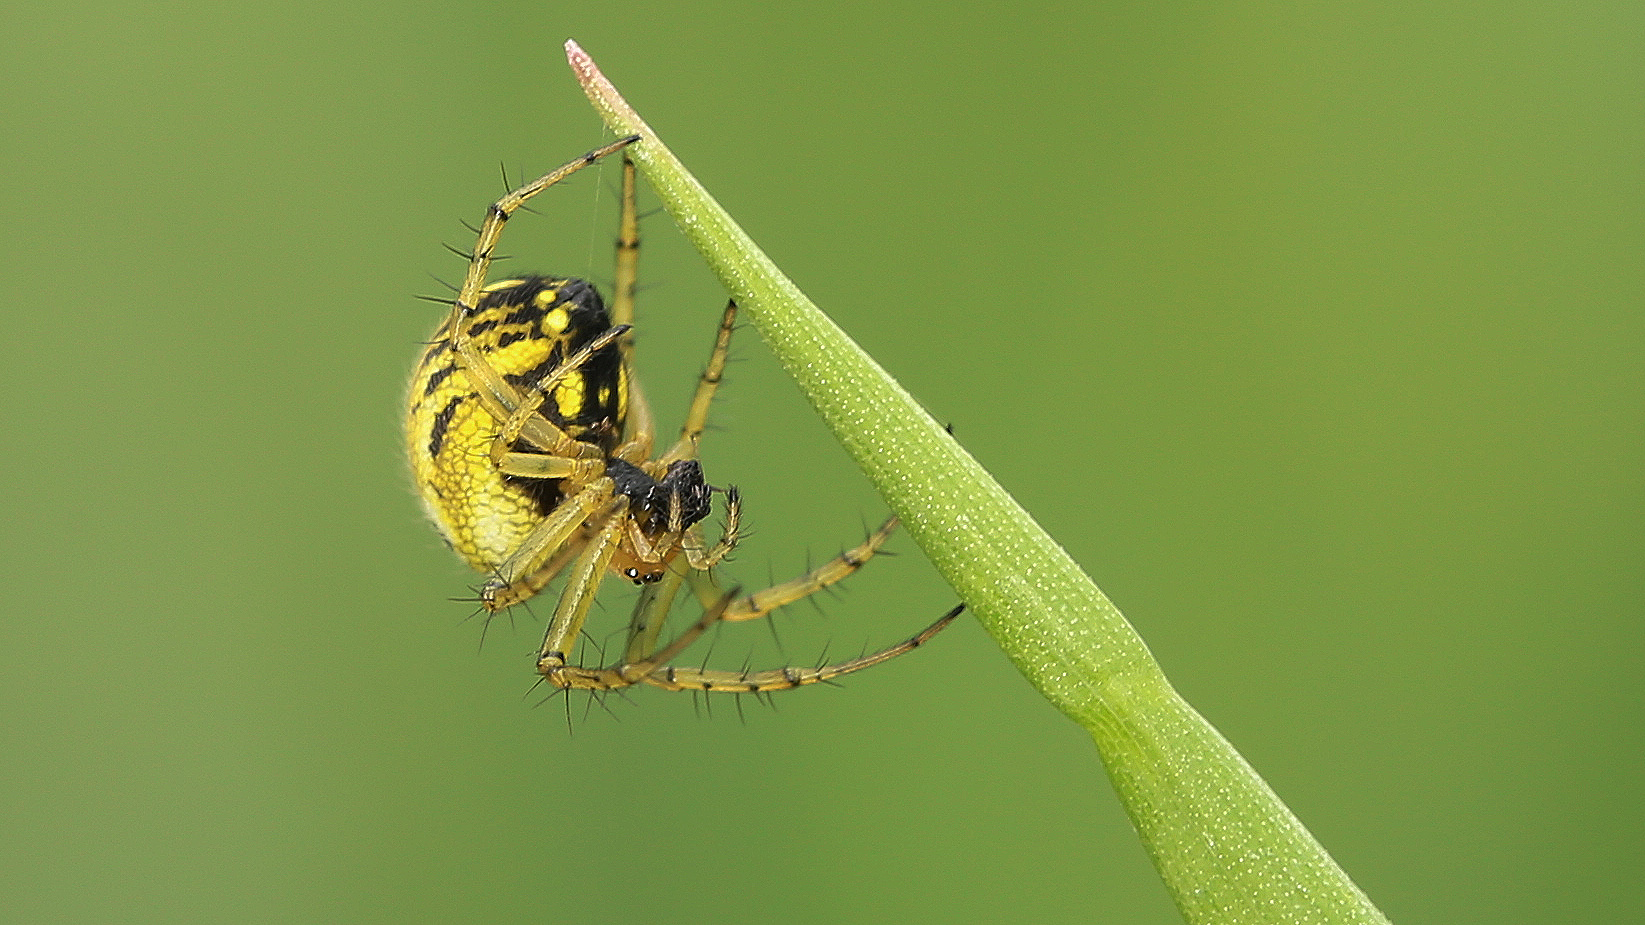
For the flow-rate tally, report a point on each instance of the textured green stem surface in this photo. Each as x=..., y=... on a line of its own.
x=1227, y=848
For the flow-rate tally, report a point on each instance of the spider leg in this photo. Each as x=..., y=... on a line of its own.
x=709, y=382
x=556, y=564
x=704, y=558
x=633, y=672
x=559, y=461
x=468, y=295
x=497, y=396
x=778, y=679
x=580, y=587
x=638, y=437
x=579, y=592
x=760, y=603
x=522, y=574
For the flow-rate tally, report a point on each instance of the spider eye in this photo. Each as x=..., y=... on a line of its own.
x=654, y=577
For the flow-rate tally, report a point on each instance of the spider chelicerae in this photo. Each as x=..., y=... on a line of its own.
x=531, y=444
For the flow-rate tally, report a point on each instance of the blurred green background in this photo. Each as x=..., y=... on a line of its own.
x=1313, y=332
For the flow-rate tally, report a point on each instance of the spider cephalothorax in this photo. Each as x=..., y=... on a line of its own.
x=659, y=512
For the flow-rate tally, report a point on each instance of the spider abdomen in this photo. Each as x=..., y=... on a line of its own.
x=524, y=328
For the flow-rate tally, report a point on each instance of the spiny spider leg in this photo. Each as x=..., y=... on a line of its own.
x=549, y=464
x=629, y=673
x=498, y=396
x=522, y=574
x=638, y=435
x=580, y=587
x=778, y=679
x=707, y=384
x=760, y=603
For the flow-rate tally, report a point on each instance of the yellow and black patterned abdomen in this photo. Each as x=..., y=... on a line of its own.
x=524, y=328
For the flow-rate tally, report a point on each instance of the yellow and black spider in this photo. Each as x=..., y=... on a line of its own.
x=530, y=442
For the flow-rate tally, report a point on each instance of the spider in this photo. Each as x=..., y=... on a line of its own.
x=531, y=445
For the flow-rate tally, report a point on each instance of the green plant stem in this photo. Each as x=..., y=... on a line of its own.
x=1227, y=848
